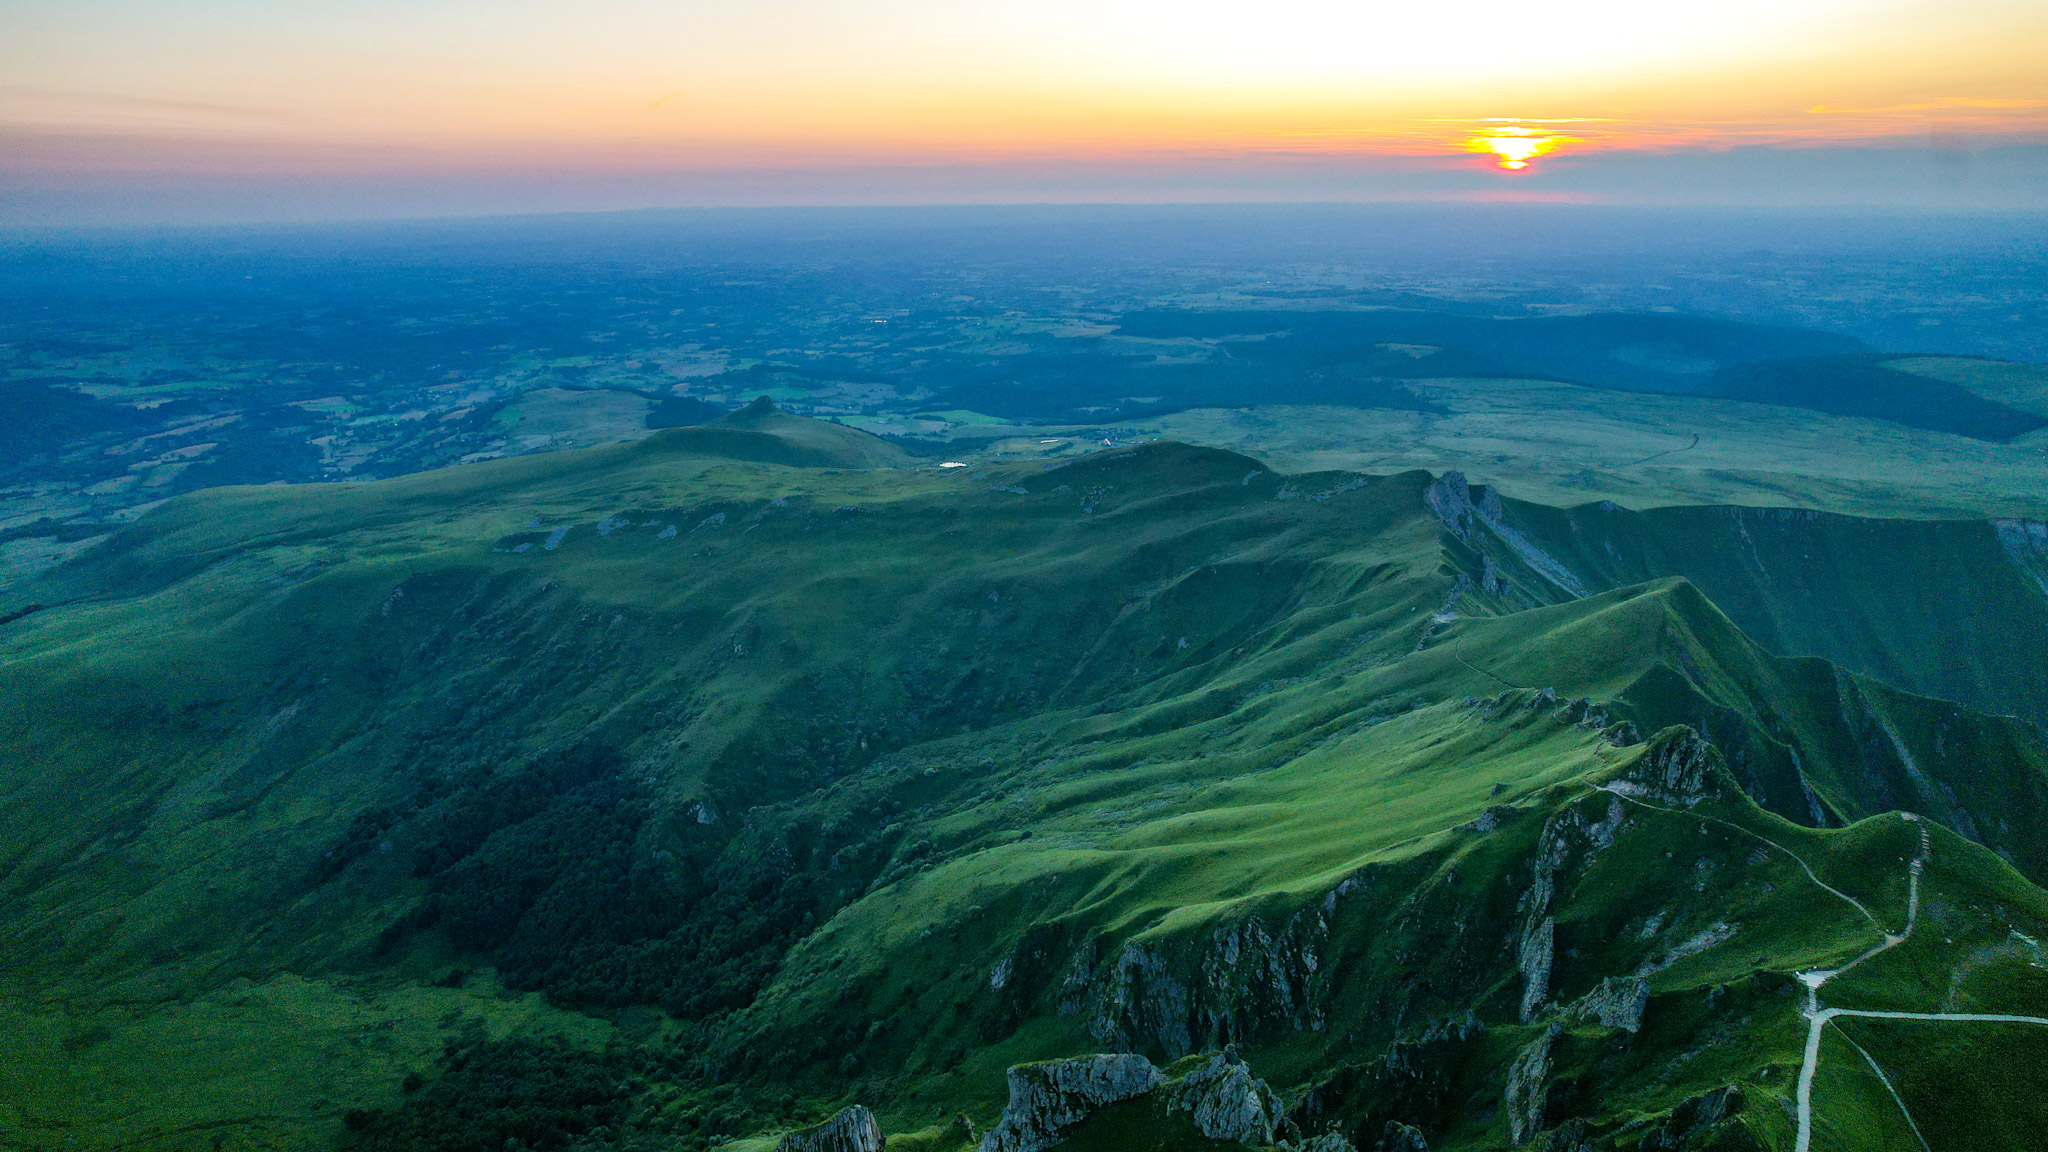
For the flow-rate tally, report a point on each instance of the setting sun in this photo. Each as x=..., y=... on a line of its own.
x=114, y=108
x=1516, y=145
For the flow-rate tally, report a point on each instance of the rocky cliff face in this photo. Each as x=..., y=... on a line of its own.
x=1222, y=1098
x=1481, y=521
x=1567, y=836
x=1046, y=1098
x=1617, y=1002
x=1528, y=1083
x=1677, y=769
x=1227, y=1102
x=851, y=1130
x=1243, y=977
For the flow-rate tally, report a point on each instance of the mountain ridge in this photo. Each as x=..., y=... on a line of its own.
x=816, y=779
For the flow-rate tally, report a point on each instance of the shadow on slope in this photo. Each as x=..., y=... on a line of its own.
x=1866, y=385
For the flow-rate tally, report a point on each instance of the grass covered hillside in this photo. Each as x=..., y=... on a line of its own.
x=679, y=794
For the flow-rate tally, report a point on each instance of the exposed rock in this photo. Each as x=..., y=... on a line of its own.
x=1048, y=1097
x=1419, y=1075
x=1227, y=1102
x=1700, y=1122
x=1583, y=713
x=1144, y=1003
x=1704, y=1111
x=2026, y=542
x=1325, y=1142
x=1573, y=1135
x=1714, y=934
x=1247, y=975
x=852, y=1130
x=1489, y=818
x=1489, y=503
x=1534, y=956
x=1078, y=980
x=1451, y=498
x=1528, y=1083
x=1401, y=1137
x=1348, y=486
x=1490, y=580
x=1566, y=834
x=1677, y=768
x=1617, y=1002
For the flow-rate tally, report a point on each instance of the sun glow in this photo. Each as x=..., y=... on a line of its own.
x=1515, y=145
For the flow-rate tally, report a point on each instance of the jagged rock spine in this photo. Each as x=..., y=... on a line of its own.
x=852, y=1129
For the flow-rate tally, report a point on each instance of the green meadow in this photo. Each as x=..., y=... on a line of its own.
x=1565, y=444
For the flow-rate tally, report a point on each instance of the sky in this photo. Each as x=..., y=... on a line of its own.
x=170, y=110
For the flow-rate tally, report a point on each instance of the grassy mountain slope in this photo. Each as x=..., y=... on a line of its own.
x=760, y=778
x=1955, y=609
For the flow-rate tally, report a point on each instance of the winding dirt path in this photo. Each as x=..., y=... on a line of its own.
x=1819, y=1017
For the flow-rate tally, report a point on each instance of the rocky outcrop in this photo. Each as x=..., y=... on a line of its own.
x=1535, y=952
x=1567, y=834
x=1453, y=501
x=1677, y=767
x=2026, y=542
x=852, y=1130
x=1143, y=1004
x=1046, y=1098
x=1450, y=497
x=1401, y=1137
x=1710, y=1120
x=1243, y=977
x=1226, y=1102
x=1528, y=1084
x=1617, y=1002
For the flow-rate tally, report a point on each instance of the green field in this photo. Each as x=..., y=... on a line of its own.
x=1564, y=444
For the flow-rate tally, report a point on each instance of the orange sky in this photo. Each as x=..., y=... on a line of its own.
x=238, y=85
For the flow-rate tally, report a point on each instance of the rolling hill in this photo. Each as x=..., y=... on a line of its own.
x=681, y=793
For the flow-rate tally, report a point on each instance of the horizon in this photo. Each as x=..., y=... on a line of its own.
x=1914, y=218
x=131, y=111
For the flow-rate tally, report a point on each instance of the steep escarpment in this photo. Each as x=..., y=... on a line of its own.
x=1951, y=609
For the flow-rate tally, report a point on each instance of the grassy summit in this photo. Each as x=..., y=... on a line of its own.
x=679, y=792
